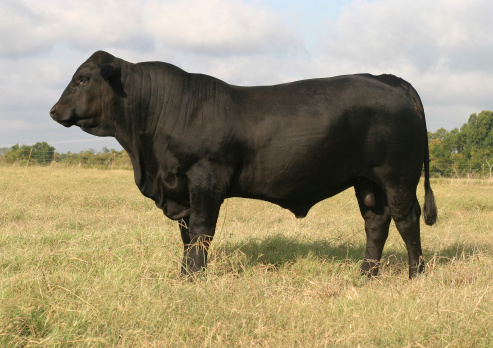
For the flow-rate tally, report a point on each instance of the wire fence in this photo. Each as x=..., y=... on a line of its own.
x=86, y=159
x=112, y=159
x=477, y=171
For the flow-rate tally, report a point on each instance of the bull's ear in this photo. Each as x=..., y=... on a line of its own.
x=109, y=70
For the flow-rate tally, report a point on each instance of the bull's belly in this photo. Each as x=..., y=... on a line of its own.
x=298, y=196
x=299, y=203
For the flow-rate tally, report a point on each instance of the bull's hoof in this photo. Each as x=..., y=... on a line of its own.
x=192, y=267
x=415, y=270
x=191, y=275
x=369, y=268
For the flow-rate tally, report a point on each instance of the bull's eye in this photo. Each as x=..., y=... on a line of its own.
x=83, y=81
x=78, y=82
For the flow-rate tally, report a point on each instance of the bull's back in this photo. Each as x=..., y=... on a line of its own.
x=311, y=139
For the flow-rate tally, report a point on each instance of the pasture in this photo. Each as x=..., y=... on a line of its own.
x=86, y=260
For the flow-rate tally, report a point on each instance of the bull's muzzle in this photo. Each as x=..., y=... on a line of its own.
x=56, y=117
x=53, y=112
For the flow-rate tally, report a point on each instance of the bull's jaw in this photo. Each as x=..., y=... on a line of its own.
x=91, y=125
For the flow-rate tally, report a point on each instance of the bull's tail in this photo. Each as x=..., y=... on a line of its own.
x=429, y=208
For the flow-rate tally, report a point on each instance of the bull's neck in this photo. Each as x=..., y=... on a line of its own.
x=154, y=109
x=153, y=93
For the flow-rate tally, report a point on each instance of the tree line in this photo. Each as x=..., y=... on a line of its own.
x=464, y=150
x=459, y=152
x=42, y=153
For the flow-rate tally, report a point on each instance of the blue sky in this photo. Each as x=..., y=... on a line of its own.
x=442, y=47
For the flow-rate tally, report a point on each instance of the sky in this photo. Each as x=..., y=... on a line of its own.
x=444, y=48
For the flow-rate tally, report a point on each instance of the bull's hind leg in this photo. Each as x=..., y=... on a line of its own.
x=377, y=220
x=405, y=210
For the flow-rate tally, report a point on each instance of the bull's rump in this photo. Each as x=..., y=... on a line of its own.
x=311, y=139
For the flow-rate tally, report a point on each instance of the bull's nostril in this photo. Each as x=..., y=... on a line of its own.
x=52, y=111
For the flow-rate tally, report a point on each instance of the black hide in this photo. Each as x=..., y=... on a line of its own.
x=195, y=140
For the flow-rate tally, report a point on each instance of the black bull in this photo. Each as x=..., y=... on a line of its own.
x=195, y=140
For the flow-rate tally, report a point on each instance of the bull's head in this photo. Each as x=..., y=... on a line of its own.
x=93, y=97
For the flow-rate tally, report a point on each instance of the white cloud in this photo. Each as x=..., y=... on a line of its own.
x=425, y=34
x=30, y=26
x=213, y=27
x=219, y=27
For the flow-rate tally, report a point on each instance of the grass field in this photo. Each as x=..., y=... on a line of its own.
x=86, y=260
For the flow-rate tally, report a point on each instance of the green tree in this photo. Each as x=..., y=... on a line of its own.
x=42, y=152
x=464, y=149
x=18, y=153
x=443, y=148
x=478, y=139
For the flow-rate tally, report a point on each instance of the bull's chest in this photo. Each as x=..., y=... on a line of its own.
x=169, y=191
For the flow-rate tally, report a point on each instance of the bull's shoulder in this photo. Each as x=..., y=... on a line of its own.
x=211, y=83
x=161, y=67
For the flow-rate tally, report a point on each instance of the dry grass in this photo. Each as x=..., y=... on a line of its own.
x=86, y=260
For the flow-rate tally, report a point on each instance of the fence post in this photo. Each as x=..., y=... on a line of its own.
x=29, y=158
x=483, y=173
x=114, y=160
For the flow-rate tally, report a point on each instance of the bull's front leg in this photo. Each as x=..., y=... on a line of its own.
x=196, y=247
x=198, y=230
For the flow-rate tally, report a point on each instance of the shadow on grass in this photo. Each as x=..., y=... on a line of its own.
x=280, y=250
